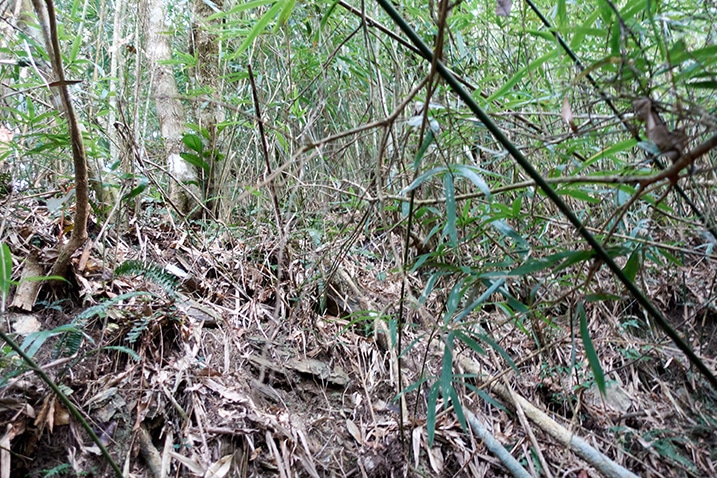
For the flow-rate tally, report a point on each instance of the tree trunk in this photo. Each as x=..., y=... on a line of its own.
x=206, y=47
x=184, y=183
x=46, y=16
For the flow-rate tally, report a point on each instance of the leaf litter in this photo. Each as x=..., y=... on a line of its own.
x=230, y=369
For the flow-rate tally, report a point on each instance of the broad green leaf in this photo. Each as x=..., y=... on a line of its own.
x=195, y=161
x=590, y=352
x=137, y=190
x=193, y=142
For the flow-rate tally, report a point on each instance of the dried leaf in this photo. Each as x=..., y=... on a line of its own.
x=220, y=469
x=5, y=456
x=567, y=114
x=670, y=143
x=502, y=7
x=354, y=431
x=416, y=444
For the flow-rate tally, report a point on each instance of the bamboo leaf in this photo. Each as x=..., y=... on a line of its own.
x=450, y=227
x=258, y=29
x=5, y=271
x=590, y=352
x=520, y=74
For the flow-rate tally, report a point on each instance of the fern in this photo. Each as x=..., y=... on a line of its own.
x=152, y=272
x=139, y=327
x=71, y=340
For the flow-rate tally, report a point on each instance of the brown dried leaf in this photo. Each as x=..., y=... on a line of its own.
x=354, y=431
x=567, y=114
x=502, y=7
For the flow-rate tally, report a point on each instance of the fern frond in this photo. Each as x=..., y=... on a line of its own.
x=71, y=340
x=152, y=272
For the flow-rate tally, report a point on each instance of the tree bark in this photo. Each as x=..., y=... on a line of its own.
x=82, y=206
x=206, y=47
x=184, y=183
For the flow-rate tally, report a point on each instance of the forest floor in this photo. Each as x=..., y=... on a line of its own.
x=226, y=352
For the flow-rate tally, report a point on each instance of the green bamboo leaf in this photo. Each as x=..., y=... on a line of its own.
x=5, y=271
x=121, y=348
x=458, y=408
x=632, y=266
x=423, y=178
x=501, y=351
x=472, y=344
x=325, y=18
x=636, y=7
x=562, y=13
x=611, y=151
x=531, y=266
x=258, y=29
x=586, y=29
x=495, y=285
x=450, y=227
x=505, y=229
x=471, y=173
x=241, y=8
x=520, y=74
x=285, y=13
x=454, y=299
x=579, y=194
x=431, y=412
x=427, y=140
x=575, y=257
x=705, y=84
x=590, y=352
x=548, y=36
x=606, y=12
x=446, y=378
